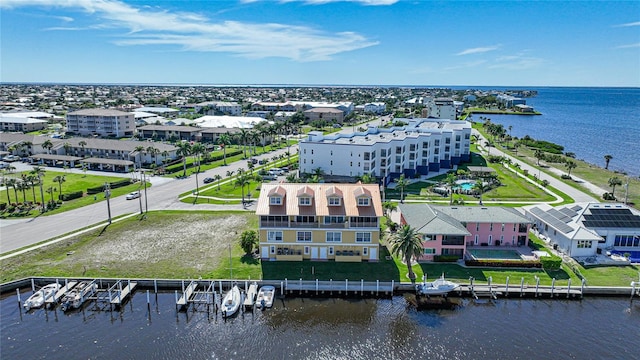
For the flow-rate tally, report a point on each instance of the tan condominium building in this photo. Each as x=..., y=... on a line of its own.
x=101, y=122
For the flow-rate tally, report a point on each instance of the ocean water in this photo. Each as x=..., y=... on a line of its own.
x=591, y=122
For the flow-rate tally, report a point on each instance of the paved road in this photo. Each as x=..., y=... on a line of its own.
x=163, y=195
x=577, y=195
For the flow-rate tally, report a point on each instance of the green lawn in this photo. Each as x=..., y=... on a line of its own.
x=72, y=182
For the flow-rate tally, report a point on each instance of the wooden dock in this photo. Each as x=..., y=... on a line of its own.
x=252, y=293
x=348, y=287
x=186, y=294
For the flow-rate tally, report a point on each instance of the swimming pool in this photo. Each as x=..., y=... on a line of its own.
x=465, y=185
x=502, y=254
x=635, y=255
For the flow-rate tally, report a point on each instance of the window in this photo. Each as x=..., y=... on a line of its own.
x=333, y=219
x=365, y=251
x=475, y=240
x=363, y=201
x=330, y=250
x=273, y=249
x=363, y=237
x=275, y=200
x=306, y=250
x=626, y=241
x=303, y=236
x=428, y=251
x=490, y=226
x=274, y=236
x=584, y=244
x=334, y=201
x=334, y=236
x=477, y=226
x=426, y=237
x=304, y=201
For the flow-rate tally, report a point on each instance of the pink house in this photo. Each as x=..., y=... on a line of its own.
x=449, y=230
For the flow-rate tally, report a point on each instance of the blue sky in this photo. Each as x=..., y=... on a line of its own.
x=356, y=42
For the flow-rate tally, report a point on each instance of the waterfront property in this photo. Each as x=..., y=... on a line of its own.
x=319, y=222
x=423, y=146
x=450, y=230
x=585, y=229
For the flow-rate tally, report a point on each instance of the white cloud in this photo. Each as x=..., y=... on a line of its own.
x=628, y=46
x=478, y=50
x=520, y=61
x=637, y=23
x=191, y=31
x=470, y=64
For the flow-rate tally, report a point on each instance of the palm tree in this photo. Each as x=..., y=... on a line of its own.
x=184, y=149
x=242, y=180
x=39, y=172
x=47, y=144
x=197, y=150
x=33, y=181
x=366, y=179
x=570, y=166
x=217, y=178
x=243, y=136
x=66, y=147
x=402, y=183
x=607, y=158
x=165, y=157
x=154, y=154
x=389, y=207
x=230, y=173
x=26, y=145
x=139, y=149
x=481, y=187
x=407, y=244
x=224, y=140
x=59, y=179
x=51, y=190
x=82, y=144
x=613, y=182
x=451, y=181
x=6, y=182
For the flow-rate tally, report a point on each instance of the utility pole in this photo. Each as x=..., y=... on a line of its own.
x=107, y=195
x=140, y=197
x=146, y=204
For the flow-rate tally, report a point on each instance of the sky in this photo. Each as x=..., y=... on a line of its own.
x=321, y=42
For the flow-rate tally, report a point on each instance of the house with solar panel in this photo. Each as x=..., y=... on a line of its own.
x=586, y=229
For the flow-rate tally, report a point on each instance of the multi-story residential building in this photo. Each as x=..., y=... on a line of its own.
x=450, y=230
x=331, y=115
x=166, y=132
x=440, y=108
x=101, y=122
x=338, y=222
x=423, y=146
x=21, y=124
x=581, y=229
x=510, y=101
x=375, y=107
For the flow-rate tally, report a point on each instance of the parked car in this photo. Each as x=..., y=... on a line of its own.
x=269, y=177
x=11, y=158
x=208, y=180
x=133, y=195
x=262, y=162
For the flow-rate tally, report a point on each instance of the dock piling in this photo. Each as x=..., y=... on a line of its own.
x=521, y=286
x=553, y=285
x=148, y=302
x=507, y=287
x=537, y=284
x=392, y=286
x=176, y=292
x=33, y=285
x=18, y=292
x=281, y=288
x=316, y=286
x=568, y=287
x=582, y=288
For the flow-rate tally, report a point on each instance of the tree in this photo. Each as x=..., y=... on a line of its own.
x=217, y=178
x=51, y=190
x=570, y=166
x=402, y=183
x=7, y=183
x=450, y=180
x=82, y=144
x=481, y=187
x=39, y=172
x=230, y=173
x=242, y=180
x=223, y=141
x=154, y=154
x=47, y=144
x=248, y=240
x=66, y=147
x=197, y=150
x=388, y=207
x=59, y=179
x=613, y=182
x=26, y=147
x=607, y=158
x=367, y=179
x=539, y=155
x=407, y=244
x=184, y=149
x=139, y=149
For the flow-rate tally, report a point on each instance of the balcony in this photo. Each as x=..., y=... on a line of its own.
x=288, y=254
x=366, y=224
x=295, y=224
x=348, y=256
x=274, y=224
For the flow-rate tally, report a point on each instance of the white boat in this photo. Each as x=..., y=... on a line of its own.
x=38, y=298
x=265, y=297
x=78, y=295
x=231, y=302
x=437, y=287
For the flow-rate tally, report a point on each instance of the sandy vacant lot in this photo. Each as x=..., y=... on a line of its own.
x=187, y=245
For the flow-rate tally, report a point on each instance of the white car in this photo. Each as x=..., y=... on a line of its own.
x=133, y=195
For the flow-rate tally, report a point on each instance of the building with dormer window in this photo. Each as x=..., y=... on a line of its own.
x=339, y=222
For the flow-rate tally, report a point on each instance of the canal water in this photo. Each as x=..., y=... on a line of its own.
x=303, y=328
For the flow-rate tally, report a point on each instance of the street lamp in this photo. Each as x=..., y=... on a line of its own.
x=144, y=180
x=107, y=195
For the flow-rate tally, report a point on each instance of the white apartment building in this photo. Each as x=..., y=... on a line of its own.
x=440, y=108
x=423, y=146
x=101, y=122
x=375, y=107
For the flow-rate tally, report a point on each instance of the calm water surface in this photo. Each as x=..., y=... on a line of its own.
x=591, y=122
x=329, y=329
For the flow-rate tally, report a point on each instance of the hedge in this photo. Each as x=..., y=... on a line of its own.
x=180, y=167
x=551, y=262
x=505, y=263
x=113, y=185
x=446, y=258
x=71, y=196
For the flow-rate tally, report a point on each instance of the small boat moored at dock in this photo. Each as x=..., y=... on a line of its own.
x=439, y=286
x=231, y=302
x=40, y=296
x=75, y=297
x=265, y=297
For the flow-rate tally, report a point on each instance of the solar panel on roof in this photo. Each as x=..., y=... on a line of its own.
x=568, y=212
x=612, y=218
x=552, y=221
